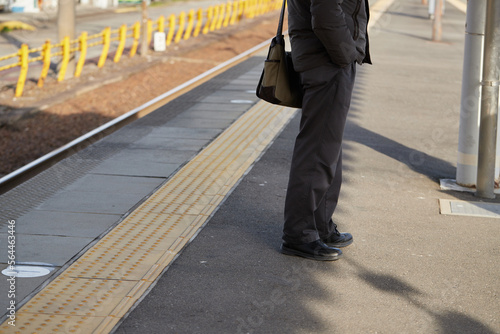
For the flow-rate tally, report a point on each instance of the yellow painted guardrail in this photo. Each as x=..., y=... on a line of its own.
x=182, y=26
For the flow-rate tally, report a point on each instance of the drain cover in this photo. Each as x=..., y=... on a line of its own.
x=463, y=208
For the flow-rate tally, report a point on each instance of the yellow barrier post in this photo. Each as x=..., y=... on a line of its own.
x=182, y=21
x=234, y=13
x=229, y=6
x=65, y=59
x=171, y=29
x=23, y=62
x=253, y=8
x=222, y=12
x=46, y=63
x=243, y=9
x=106, y=39
x=199, y=19
x=136, y=34
x=190, y=24
x=121, y=45
x=161, y=24
x=150, y=31
x=215, y=18
x=83, y=54
x=210, y=15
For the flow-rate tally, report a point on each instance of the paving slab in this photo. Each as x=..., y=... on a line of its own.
x=154, y=142
x=143, y=162
x=201, y=123
x=51, y=249
x=70, y=224
x=184, y=133
x=115, y=184
x=91, y=202
x=229, y=107
x=207, y=114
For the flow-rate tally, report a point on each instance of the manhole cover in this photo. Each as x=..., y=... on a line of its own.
x=27, y=271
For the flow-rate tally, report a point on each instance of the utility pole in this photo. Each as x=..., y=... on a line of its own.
x=144, y=30
x=66, y=26
x=468, y=137
x=489, y=103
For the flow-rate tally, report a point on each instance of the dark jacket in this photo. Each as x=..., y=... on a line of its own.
x=328, y=31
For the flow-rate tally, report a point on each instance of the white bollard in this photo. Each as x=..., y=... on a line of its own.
x=159, y=44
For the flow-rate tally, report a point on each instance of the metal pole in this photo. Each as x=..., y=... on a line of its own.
x=489, y=103
x=471, y=94
x=144, y=30
x=66, y=13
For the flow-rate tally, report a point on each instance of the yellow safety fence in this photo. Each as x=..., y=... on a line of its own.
x=182, y=26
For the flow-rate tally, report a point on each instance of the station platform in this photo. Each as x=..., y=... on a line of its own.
x=172, y=224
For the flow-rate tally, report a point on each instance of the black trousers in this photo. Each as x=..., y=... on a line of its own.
x=316, y=169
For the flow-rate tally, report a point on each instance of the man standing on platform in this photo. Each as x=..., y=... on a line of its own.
x=328, y=38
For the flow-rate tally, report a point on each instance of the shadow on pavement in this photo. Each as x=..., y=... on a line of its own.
x=418, y=161
x=448, y=321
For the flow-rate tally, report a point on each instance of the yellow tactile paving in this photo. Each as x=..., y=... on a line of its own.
x=50, y=323
x=104, y=283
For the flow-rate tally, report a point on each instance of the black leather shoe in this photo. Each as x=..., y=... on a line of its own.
x=337, y=239
x=315, y=250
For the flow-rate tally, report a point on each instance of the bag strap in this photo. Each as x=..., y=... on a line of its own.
x=279, y=33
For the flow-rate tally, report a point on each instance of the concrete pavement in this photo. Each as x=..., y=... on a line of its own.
x=410, y=269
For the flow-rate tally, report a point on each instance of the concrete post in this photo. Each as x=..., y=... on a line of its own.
x=489, y=103
x=468, y=137
x=437, y=30
x=66, y=26
x=144, y=30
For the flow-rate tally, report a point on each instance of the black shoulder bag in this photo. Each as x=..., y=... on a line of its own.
x=279, y=83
